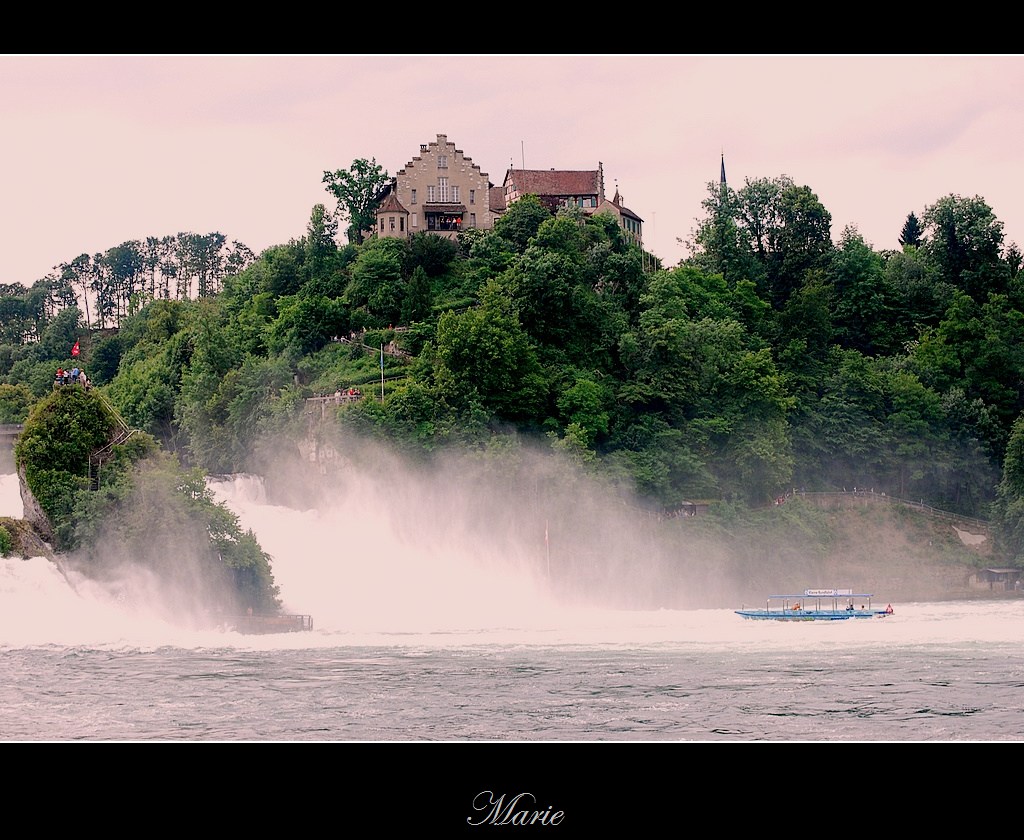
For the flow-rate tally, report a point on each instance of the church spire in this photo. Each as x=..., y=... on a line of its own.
x=723, y=169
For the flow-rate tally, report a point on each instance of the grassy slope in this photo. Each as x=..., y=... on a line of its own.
x=896, y=553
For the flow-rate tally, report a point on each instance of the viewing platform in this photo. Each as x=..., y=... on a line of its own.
x=319, y=404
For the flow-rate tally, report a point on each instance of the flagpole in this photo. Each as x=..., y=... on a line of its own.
x=547, y=547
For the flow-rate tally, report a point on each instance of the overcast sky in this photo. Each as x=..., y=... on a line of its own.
x=99, y=150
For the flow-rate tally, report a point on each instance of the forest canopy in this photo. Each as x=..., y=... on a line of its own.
x=779, y=355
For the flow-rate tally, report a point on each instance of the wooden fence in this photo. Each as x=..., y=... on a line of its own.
x=871, y=497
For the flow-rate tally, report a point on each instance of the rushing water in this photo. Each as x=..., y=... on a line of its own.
x=446, y=650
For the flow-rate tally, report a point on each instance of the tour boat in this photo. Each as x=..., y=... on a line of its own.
x=817, y=605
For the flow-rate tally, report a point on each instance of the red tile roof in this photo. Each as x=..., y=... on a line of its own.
x=555, y=181
x=496, y=199
x=392, y=205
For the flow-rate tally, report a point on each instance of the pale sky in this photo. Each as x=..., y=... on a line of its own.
x=99, y=150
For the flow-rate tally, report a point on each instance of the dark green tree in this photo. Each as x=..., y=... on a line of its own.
x=320, y=244
x=912, y=234
x=586, y=404
x=920, y=296
x=60, y=336
x=1008, y=508
x=151, y=352
x=964, y=245
x=800, y=241
x=13, y=321
x=756, y=209
x=434, y=253
x=484, y=356
x=865, y=313
x=520, y=222
x=358, y=191
x=720, y=244
x=15, y=402
x=200, y=410
x=979, y=348
x=377, y=285
x=54, y=450
x=417, y=300
x=488, y=253
x=710, y=380
x=78, y=275
x=201, y=264
x=306, y=323
x=124, y=268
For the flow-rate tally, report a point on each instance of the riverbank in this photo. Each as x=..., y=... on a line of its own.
x=898, y=553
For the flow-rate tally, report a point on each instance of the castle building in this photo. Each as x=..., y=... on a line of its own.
x=442, y=191
x=439, y=191
x=558, y=188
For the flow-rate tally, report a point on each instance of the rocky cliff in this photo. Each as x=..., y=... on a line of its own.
x=25, y=540
x=34, y=515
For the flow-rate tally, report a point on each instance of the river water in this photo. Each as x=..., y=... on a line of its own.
x=453, y=651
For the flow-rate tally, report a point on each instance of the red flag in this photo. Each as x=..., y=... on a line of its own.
x=74, y=350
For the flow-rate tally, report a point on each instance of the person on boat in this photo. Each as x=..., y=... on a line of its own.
x=888, y=610
x=850, y=606
x=796, y=606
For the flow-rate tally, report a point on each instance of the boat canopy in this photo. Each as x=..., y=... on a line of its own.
x=814, y=605
x=826, y=593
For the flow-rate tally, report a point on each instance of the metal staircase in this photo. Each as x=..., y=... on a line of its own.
x=124, y=431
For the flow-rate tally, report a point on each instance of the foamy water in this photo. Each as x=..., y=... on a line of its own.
x=348, y=566
x=415, y=642
x=10, y=497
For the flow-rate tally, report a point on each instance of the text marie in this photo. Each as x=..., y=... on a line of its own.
x=517, y=810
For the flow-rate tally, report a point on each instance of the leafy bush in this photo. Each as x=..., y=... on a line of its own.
x=136, y=503
x=15, y=401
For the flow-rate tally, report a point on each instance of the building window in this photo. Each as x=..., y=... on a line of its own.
x=442, y=161
x=455, y=194
x=431, y=198
x=444, y=222
x=414, y=222
x=401, y=223
x=382, y=223
x=472, y=219
x=472, y=197
x=414, y=196
x=392, y=222
x=443, y=184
